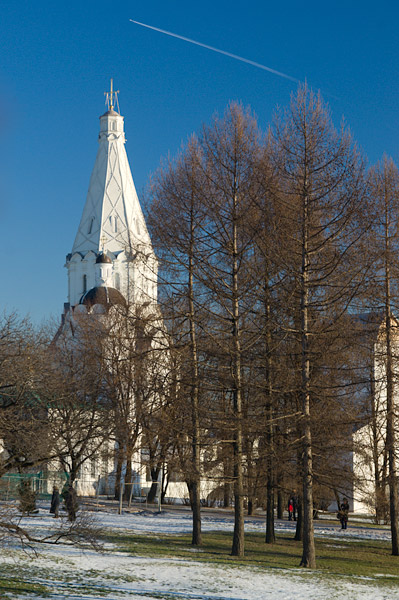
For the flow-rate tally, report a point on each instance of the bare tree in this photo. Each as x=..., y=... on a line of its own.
x=203, y=204
x=72, y=396
x=28, y=376
x=320, y=184
x=176, y=220
x=384, y=179
x=23, y=428
x=231, y=149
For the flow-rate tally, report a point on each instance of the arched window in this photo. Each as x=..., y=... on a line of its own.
x=84, y=284
x=117, y=281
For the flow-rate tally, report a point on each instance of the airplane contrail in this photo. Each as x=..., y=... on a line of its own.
x=245, y=60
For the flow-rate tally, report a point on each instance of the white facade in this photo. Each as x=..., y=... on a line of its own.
x=370, y=440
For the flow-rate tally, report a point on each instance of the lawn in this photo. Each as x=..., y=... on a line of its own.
x=369, y=559
x=149, y=555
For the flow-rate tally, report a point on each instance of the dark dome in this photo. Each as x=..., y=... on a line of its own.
x=107, y=296
x=103, y=258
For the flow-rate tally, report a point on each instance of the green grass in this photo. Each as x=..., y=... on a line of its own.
x=11, y=585
x=19, y=578
x=370, y=559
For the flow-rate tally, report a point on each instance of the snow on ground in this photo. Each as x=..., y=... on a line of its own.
x=172, y=520
x=86, y=575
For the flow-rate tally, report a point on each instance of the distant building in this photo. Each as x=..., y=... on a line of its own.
x=370, y=462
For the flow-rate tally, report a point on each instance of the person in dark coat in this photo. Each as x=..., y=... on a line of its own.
x=55, y=502
x=71, y=503
x=343, y=513
x=295, y=505
x=290, y=509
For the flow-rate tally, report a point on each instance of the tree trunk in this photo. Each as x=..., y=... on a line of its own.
x=280, y=504
x=238, y=535
x=392, y=475
x=270, y=534
x=309, y=555
x=196, y=539
x=164, y=483
x=226, y=494
x=251, y=477
x=73, y=473
x=118, y=474
x=129, y=474
x=250, y=509
x=299, y=524
x=154, y=485
x=196, y=508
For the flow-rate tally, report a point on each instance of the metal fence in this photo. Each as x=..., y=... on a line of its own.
x=40, y=483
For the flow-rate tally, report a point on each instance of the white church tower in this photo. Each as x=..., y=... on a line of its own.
x=112, y=254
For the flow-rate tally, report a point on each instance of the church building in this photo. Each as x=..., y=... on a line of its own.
x=111, y=263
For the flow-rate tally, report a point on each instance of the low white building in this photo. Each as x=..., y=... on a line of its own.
x=369, y=456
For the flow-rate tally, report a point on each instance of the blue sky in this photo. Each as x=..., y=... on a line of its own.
x=56, y=62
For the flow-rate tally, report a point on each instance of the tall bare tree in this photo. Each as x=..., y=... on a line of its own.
x=176, y=221
x=320, y=185
x=384, y=243
x=231, y=151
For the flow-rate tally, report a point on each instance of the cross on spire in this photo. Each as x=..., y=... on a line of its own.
x=111, y=97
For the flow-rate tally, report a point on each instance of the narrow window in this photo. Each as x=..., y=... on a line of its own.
x=84, y=284
x=117, y=281
x=116, y=224
x=91, y=225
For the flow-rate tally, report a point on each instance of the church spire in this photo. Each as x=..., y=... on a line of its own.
x=112, y=221
x=112, y=218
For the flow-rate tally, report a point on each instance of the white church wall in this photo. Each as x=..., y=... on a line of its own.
x=373, y=434
x=363, y=471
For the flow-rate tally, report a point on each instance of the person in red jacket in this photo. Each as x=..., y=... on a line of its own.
x=290, y=509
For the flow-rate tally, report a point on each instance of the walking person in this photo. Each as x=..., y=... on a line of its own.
x=295, y=505
x=290, y=509
x=343, y=513
x=55, y=502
